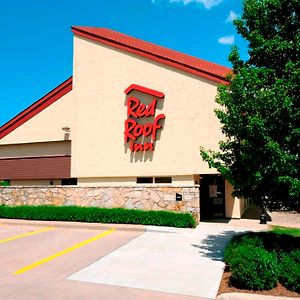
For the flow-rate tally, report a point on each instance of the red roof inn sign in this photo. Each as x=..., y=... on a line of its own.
x=136, y=110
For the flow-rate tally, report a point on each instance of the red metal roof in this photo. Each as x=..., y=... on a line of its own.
x=154, y=52
x=36, y=107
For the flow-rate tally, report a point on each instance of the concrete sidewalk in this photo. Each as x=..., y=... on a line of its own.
x=180, y=261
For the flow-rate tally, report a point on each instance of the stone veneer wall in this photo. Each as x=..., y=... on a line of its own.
x=137, y=197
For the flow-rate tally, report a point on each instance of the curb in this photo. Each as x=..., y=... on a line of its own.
x=75, y=225
x=245, y=296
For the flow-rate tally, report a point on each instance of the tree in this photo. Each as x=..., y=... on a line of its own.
x=259, y=108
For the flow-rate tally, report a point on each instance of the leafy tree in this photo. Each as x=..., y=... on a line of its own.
x=259, y=109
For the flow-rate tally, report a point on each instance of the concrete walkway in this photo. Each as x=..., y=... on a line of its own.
x=181, y=261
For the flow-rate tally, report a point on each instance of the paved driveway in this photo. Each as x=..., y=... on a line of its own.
x=45, y=261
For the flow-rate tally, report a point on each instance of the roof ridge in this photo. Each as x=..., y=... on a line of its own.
x=179, y=60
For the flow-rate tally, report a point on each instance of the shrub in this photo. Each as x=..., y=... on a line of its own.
x=4, y=183
x=244, y=239
x=290, y=271
x=98, y=215
x=252, y=258
x=254, y=268
x=273, y=241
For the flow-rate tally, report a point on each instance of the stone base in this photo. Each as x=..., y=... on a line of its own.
x=141, y=197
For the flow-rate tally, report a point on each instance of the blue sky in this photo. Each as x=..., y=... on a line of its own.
x=36, y=40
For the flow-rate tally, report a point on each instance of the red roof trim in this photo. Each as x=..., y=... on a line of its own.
x=156, y=53
x=144, y=90
x=36, y=107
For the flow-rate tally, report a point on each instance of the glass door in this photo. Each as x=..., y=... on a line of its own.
x=212, y=197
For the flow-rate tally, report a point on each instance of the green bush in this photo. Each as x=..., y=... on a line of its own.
x=271, y=241
x=285, y=243
x=254, y=268
x=254, y=258
x=290, y=271
x=243, y=239
x=98, y=215
x=4, y=183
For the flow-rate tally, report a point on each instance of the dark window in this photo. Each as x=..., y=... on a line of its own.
x=144, y=180
x=69, y=181
x=163, y=179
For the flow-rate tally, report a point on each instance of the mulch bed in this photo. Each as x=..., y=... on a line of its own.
x=226, y=287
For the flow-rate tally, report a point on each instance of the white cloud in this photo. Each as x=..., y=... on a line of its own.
x=232, y=16
x=206, y=3
x=226, y=40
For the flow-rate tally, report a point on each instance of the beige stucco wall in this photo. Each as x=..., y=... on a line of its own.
x=232, y=204
x=36, y=149
x=244, y=204
x=101, y=74
x=107, y=181
x=47, y=125
x=185, y=180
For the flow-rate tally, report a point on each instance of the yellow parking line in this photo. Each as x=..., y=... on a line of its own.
x=25, y=234
x=60, y=253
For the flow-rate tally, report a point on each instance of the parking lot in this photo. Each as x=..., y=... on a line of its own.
x=37, y=260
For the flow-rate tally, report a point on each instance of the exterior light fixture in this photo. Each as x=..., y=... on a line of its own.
x=66, y=129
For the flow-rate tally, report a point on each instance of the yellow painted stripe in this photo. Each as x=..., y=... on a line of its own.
x=60, y=253
x=25, y=234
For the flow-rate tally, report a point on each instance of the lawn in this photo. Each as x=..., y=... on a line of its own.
x=286, y=230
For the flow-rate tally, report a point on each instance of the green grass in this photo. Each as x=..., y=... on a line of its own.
x=98, y=215
x=286, y=230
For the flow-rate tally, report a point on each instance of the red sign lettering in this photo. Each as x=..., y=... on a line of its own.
x=137, y=109
x=133, y=129
x=141, y=147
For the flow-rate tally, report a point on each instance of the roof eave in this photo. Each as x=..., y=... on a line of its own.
x=157, y=58
x=36, y=107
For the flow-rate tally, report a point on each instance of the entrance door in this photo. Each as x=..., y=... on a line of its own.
x=212, y=197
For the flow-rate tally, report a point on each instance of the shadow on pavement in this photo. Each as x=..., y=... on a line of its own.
x=213, y=245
